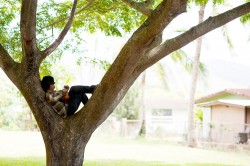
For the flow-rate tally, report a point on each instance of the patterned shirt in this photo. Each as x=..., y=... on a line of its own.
x=53, y=98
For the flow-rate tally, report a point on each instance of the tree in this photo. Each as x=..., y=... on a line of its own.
x=66, y=139
x=128, y=107
x=192, y=142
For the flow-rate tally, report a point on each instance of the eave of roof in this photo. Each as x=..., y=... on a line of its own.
x=240, y=92
x=235, y=103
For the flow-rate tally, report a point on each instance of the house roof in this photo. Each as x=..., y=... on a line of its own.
x=238, y=92
x=235, y=103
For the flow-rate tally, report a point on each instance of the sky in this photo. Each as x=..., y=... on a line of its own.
x=227, y=68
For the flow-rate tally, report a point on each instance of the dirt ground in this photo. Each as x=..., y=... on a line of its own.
x=22, y=144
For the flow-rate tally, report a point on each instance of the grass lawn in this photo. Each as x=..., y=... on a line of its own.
x=119, y=152
x=143, y=153
x=162, y=153
x=40, y=161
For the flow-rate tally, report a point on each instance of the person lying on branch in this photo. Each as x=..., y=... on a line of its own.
x=65, y=102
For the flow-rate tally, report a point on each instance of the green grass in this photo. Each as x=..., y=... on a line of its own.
x=26, y=161
x=40, y=161
x=139, y=152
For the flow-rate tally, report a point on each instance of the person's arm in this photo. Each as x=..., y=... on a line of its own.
x=54, y=97
x=65, y=97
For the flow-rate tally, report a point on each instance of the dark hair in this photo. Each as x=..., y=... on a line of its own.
x=46, y=82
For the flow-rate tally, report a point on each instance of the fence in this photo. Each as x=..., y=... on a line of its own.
x=176, y=130
x=223, y=133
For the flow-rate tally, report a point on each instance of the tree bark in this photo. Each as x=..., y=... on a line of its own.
x=65, y=139
x=190, y=35
x=192, y=141
x=142, y=114
x=64, y=149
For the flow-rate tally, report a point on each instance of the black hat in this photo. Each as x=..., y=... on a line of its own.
x=46, y=82
x=48, y=79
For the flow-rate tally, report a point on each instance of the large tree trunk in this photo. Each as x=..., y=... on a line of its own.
x=64, y=152
x=65, y=148
x=65, y=139
x=63, y=142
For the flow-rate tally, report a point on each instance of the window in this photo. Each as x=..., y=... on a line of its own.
x=162, y=112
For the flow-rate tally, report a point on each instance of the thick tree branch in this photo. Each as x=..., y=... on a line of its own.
x=28, y=26
x=180, y=8
x=120, y=76
x=156, y=23
x=148, y=2
x=142, y=7
x=85, y=7
x=61, y=36
x=195, y=32
x=7, y=63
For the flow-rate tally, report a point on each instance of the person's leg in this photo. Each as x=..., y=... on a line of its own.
x=77, y=95
x=74, y=102
x=82, y=89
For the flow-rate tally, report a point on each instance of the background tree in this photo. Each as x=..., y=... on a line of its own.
x=128, y=107
x=196, y=70
x=192, y=142
x=66, y=139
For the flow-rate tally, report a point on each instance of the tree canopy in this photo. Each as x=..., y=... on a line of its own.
x=112, y=17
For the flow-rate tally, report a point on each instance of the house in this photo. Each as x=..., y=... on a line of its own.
x=166, y=117
x=225, y=114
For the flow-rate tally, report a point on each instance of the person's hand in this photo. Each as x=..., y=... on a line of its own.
x=65, y=90
x=66, y=86
x=65, y=97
